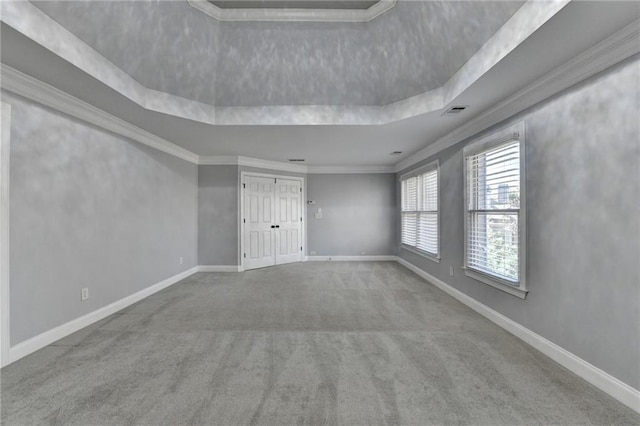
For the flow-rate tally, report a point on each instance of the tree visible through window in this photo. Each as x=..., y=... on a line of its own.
x=493, y=211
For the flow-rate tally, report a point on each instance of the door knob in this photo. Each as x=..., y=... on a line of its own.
x=273, y=226
x=277, y=226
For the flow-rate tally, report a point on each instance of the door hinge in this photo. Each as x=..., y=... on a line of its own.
x=245, y=255
x=244, y=220
x=275, y=180
x=244, y=185
x=300, y=248
x=301, y=219
x=300, y=189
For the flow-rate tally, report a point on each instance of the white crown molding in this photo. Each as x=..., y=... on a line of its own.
x=235, y=160
x=36, y=25
x=26, y=86
x=592, y=374
x=229, y=160
x=614, y=49
x=349, y=169
x=33, y=344
x=35, y=90
x=271, y=165
x=294, y=15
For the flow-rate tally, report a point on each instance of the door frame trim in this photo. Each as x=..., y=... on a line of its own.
x=303, y=210
x=5, y=144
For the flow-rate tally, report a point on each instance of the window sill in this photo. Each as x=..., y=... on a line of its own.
x=486, y=279
x=424, y=254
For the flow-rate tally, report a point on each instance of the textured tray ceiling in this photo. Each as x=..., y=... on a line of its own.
x=171, y=47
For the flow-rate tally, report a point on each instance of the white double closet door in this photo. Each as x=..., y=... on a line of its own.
x=272, y=221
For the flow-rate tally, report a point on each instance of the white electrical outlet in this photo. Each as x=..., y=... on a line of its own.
x=181, y=261
x=451, y=270
x=84, y=294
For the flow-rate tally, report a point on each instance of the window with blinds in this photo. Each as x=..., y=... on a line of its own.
x=493, y=201
x=420, y=210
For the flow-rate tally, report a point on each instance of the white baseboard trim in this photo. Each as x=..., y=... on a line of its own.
x=351, y=258
x=219, y=268
x=592, y=374
x=600, y=379
x=40, y=341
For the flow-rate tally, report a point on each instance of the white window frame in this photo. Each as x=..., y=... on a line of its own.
x=512, y=133
x=434, y=165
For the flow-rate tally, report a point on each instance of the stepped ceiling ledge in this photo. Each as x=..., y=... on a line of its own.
x=416, y=57
x=294, y=10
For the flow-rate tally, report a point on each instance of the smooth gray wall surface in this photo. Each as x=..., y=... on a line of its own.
x=583, y=230
x=90, y=209
x=359, y=214
x=218, y=215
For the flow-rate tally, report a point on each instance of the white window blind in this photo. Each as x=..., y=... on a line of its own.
x=493, y=211
x=420, y=211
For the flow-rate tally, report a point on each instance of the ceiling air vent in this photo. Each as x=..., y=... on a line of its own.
x=296, y=160
x=455, y=109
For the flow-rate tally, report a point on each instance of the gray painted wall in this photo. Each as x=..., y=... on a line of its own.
x=218, y=215
x=583, y=198
x=218, y=234
x=359, y=214
x=90, y=209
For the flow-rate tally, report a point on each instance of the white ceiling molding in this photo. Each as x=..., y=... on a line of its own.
x=227, y=160
x=349, y=169
x=271, y=165
x=614, y=49
x=218, y=160
x=26, y=86
x=39, y=27
x=35, y=90
x=294, y=15
x=619, y=46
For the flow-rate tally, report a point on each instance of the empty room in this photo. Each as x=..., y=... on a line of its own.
x=319, y=212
